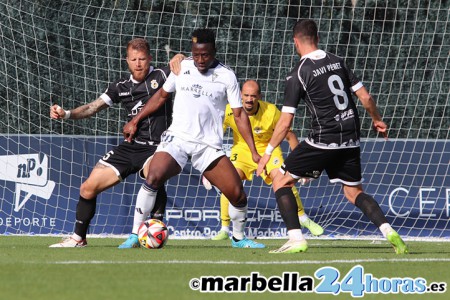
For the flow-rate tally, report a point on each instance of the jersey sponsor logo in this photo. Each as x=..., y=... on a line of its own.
x=154, y=84
x=288, y=78
x=345, y=115
x=196, y=90
x=187, y=72
x=214, y=76
x=124, y=94
x=136, y=108
x=257, y=130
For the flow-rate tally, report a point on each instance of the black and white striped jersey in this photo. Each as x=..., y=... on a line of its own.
x=133, y=95
x=325, y=83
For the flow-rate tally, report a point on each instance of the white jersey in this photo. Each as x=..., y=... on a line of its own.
x=200, y=101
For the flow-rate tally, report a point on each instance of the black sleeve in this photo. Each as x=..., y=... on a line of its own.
x=351, y=76
x=293, y=90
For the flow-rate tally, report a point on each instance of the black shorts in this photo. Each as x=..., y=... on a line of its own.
x=128, y=158
x=341, y=165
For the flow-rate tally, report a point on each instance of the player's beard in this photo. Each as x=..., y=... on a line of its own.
x=139, y=75
x=249, y=107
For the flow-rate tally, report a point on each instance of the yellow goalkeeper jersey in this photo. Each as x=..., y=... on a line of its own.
x=263, y=124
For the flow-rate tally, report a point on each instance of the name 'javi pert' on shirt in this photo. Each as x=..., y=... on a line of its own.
x=324, y=69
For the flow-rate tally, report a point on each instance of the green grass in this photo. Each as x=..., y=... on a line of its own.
x=30, y=270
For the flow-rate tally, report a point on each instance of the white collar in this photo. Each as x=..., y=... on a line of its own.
x=316, y=54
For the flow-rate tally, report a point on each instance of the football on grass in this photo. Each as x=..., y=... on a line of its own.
x=153, y=234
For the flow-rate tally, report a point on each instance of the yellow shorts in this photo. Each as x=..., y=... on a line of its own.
x=242, y=159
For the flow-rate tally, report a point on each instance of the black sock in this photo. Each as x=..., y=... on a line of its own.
x=160, y=204
x=288, y=207
x=370, y=209
x=85, y=213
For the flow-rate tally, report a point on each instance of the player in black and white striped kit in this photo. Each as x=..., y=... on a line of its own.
x=128, y=157
x=326, y=85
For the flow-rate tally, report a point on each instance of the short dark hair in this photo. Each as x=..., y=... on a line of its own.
x=139, y=44
x=305, y=30
x=204, y=36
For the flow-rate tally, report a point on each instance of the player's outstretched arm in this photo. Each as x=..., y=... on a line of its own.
x=245, y=129
x=369, y=104
x=152, y=105
x=81, y=112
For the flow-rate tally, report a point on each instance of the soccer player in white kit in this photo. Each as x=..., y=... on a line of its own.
x=203, y=88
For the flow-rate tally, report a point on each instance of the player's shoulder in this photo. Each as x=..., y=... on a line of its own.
x=223, y=66
x=333, y=56
x=268, y=109
x=163, y=71
x=223, y=69
x=122, y=81
x=267, y=105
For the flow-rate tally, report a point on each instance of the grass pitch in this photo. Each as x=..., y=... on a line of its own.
x=31, y=270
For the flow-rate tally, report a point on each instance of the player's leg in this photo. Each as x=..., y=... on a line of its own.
x=160, y=204
x=101, y=178
x=373, y=212
x=287, y=205
x=143, y=207
x=167, y=162
x=273, y=167
x=346, y=169
x=297, y=165
x=304, y=219
x=162, y=167
x=224, y=231
x=223, y=175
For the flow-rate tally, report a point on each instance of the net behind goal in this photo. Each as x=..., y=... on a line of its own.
x=67, y=51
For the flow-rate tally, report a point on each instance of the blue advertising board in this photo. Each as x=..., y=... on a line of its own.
x=40, y=178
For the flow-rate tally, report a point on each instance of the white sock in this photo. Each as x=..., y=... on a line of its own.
x=295, y=235
x=225, y=228
x=385, y=228
x=303, y=218
x=238, y=216
x=145, y=201
x=76, y=237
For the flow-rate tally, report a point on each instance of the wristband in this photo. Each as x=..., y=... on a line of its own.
x=269, y=149
x=67, y=115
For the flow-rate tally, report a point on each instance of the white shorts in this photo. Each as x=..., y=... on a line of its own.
x=201, y=155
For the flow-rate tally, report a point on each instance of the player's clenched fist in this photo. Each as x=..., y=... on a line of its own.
x=56, y=112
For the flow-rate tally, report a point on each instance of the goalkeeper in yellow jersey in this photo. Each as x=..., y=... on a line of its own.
x=263, y=117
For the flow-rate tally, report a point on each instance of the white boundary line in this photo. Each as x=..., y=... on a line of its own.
x=230, y=262
x=308, y=237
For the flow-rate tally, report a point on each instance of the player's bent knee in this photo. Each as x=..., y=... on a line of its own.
x=240, y=201
x=154, y=181
x=87, y=192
